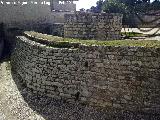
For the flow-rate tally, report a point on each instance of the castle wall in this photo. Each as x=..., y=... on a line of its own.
x=21, y=15
x=25, y=13
x=30, y=12
x=64, y=7
x=108, y=76
x=99, y=26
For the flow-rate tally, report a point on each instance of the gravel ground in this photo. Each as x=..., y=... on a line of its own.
x=12, y=104
x=18, y=103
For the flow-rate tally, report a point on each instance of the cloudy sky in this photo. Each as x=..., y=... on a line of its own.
x=85, y=4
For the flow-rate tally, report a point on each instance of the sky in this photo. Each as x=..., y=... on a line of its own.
x=86, y=4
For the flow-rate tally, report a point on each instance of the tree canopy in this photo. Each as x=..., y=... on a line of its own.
x=125, y=6
x=129, y=8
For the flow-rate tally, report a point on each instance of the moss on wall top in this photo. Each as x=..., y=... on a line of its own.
x=69, y=42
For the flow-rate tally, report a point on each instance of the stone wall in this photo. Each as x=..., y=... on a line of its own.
x=34, y=15
x=113, y=77
x=65, y=5
x=24, y=12
x=57, y=29
x=101, y=26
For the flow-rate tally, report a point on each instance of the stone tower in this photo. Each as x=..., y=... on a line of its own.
x=63, y=5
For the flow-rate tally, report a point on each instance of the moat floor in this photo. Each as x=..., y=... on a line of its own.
x=12, y=104
x=17, y=103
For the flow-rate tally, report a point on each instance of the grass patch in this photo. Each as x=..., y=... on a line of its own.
x=132, y=34
x=63, y=42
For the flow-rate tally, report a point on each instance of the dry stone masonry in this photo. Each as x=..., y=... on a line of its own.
x=100, y=26
x=34, y=11
x=108, y=76
x=63, y=5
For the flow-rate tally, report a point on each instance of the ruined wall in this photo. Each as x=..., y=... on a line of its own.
x=117, y=77
x=65, y=5
x=21, y=12
x=101, y=26
x=57, y=29
x=31, y=15
x=25, y=12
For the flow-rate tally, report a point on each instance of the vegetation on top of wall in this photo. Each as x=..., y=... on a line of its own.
x=132, y=34
x=69, y=42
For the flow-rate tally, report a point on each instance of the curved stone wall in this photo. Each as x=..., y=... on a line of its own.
x=116, y=77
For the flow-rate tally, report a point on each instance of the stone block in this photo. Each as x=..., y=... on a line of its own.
x=99, y=75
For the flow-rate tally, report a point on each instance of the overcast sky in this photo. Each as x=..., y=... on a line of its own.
x=86, y=4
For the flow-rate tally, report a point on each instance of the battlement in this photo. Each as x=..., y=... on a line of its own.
x=24, y=2
x=63, y=5
x=34, y=11
x=55, y=5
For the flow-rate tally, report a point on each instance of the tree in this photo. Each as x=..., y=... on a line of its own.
x=114, y=6
x=82, y=9
x=126, y=6
x=93, y=9
x=98, y=7
x=129, y=8
x=156, y=5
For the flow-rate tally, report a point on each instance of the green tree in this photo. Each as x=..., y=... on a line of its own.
x=114, y=6
x=156, y=5
x=82, y=9
x=98, y=7
x=126, y=6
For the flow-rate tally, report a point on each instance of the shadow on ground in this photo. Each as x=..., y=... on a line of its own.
x=52, y=109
